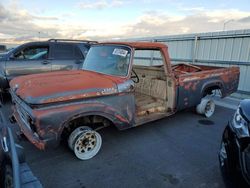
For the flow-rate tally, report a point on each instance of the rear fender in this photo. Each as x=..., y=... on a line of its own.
x=217, y=84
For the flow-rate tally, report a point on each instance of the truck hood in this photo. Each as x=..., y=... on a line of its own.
x=63, y=86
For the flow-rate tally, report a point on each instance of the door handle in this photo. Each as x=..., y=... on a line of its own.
x=45, y=62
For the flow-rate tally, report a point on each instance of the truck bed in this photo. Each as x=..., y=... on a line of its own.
x=177, y=69
x=197, y=81
x=192, y=82
x=180, y=69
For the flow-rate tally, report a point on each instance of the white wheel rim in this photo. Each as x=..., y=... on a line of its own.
x=209, y=108
x=206, y=107
x=87, y=144
x=75, y=133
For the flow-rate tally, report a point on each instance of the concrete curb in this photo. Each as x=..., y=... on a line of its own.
x=227, y=102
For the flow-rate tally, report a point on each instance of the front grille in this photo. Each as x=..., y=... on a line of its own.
x=15, y=98
x=23, y=115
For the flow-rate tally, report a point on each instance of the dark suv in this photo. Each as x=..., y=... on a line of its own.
x=234, y=155
x=42, y=56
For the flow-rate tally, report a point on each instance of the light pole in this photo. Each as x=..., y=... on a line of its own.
x=226, y=22
x=39, y=35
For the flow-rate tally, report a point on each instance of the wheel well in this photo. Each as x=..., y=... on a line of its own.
x=209, y=90
x=92, y=121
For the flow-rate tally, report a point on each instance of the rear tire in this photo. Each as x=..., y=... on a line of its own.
x=206, y=107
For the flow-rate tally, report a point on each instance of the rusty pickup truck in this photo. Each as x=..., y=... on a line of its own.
x=120, y=84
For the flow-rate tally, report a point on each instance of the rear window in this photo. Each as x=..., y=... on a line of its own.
x=148, y=57
x=66, y=51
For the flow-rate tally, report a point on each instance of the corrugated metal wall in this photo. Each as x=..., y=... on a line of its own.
x=228, y=48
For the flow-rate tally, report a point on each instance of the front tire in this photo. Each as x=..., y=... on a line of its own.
x=231, y=174
x=85, y=142
x=75, y=133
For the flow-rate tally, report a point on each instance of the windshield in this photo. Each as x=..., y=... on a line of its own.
x=112, y=60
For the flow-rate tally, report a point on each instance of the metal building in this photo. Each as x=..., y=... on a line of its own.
x=225, y=48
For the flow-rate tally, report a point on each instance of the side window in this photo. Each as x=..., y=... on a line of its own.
x=148, y=57
x=33, y=53
x=66, y=51
x=78, y=53
x=84, y=48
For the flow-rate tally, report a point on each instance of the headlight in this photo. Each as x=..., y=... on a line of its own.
x=240, y=125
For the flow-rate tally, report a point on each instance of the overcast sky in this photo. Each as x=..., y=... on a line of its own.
x=26, y=20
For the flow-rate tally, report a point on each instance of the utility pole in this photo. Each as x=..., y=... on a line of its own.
x=226, y=22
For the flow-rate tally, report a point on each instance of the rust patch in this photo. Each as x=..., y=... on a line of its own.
x=121, y=118
x=27, y=132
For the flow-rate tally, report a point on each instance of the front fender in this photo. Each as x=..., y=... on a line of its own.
x=120, y=110
x=119, y=120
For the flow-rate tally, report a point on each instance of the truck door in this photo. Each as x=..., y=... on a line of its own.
x=28, y=60
x=66, y=56
x=154, y=87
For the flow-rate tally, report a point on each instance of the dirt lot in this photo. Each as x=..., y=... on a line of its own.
x=179, y=151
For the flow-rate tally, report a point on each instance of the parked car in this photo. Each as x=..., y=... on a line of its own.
x=234, y=155
x=112, y=89
x=14, y=171
x=44, y=56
